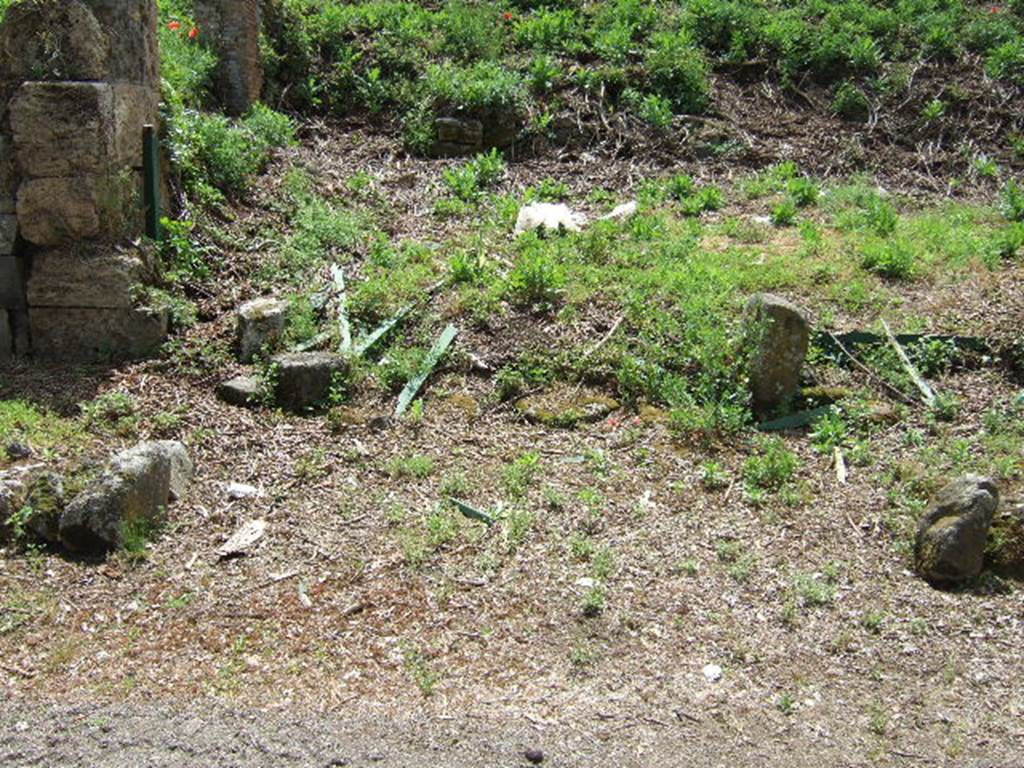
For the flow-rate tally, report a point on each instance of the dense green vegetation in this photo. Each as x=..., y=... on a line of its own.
x=652, y=58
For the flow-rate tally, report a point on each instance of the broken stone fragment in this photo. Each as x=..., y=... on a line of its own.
x=951, y=537
x=259, y=327
x=133, y=491
x=469, y=133
x=778, y=334
x=241, y=390
x=549, y=217
x=304, y=379
x=621, y=212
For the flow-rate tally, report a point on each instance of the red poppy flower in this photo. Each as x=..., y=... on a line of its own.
x=995, y=9
x=193, y=33
x=507, y=16
x=174, y=26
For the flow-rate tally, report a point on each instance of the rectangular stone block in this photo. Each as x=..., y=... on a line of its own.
x=134, y=107
x=8, y=233
x=96, y=335
x=12, y=289
x=8, y=176
x=131, y=25
x=59, y=210
x=6, y=336
x=84, y=278
x=62, y=128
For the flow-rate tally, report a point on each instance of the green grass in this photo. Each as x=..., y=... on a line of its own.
x=652, y=59
x=45, y=432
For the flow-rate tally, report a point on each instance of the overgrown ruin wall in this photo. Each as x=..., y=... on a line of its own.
x=78, y=80
x=232, y=28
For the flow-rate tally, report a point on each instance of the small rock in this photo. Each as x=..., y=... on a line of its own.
x=241, y=391
x=242, y=540
x=551, y=217
x=18, y=451
x=586, y=582
x=134, y=489
x=534, y=756
x=712, y=673
x=304, y=379
x=620, y=212
x=259, y=326
x=951, y=537
x=779, y=334
x=237, y=491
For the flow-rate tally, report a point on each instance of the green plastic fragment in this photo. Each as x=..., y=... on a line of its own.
x=471, y=512
x=429, y=364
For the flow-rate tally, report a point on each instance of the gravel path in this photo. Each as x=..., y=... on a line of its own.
x=209, y=733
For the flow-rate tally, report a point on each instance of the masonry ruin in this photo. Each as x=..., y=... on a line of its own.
x=78, y=81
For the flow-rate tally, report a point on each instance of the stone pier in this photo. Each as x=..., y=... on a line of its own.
x=78, y=80
x=232, y=29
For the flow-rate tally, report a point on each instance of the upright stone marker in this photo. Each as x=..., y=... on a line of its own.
x=779, y=334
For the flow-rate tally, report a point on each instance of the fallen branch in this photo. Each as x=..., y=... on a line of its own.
x=605, y=338
x=927, y=393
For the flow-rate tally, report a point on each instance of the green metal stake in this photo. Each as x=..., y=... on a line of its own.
x=151, y=181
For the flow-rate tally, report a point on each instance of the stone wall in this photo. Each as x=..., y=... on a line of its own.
x=78, y=80
x=232, y=28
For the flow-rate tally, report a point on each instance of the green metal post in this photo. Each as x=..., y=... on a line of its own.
x=151, y=181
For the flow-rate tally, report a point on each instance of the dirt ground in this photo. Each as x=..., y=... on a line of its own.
x=336, y=642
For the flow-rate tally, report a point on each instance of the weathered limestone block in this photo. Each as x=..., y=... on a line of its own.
x=85, y=277
x=63, y=129
x=133, y=491
x=259, y=326
x=58, y=210
x=242, y=391
x=11, y=283
x=951, y=537
x=233, y=27
x=54, y=41
x=134, y=107
x=464, y=135
x=304, y=379
x=131, y=24
x=8, y=176
x=87, y=334
x=779, y=334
